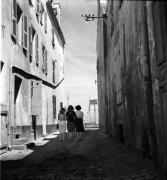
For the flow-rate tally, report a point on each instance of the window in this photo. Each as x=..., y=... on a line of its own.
x=46, y=63
x=30, y=44
x=19, y=28
x=31, y=89
x=30, y=3
x=54, y=106
x=53, y=64
x=45, y=16
x=53, y=39
x=44, y=55
x=25, y=35
x=14, y=19
x=25, y=32
x=37, y=9
x=41, y=13
x=36, y=50
x=31, y=37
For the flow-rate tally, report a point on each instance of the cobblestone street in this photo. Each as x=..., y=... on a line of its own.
x=95, y=156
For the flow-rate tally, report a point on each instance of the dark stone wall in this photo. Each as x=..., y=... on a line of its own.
x=131, y=81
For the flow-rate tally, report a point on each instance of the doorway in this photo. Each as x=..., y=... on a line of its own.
x=121, y=133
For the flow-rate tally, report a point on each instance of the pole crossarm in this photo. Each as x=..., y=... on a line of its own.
x=91, y=18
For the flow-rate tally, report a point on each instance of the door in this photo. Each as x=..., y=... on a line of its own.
x=3, y=128
x=34, y=125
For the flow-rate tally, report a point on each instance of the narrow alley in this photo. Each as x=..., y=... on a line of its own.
x=74, y=66
x=95, y=156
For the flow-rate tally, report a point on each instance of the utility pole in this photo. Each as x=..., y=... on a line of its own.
x=89, y=111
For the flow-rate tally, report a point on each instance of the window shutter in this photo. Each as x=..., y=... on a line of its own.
x=36, y=48
x=41, y=13
x=30, y=43
x=14, y=19
x=37, y=7
x=45, y=16
x=46, y=68
x=43, y=56
x=53, y=41
x=25, y=32
x=54, y=106
x=53, y=64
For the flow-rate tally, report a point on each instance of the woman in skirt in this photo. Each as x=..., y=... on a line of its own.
x=62, y=123
x=79, y=122
x=71, y=117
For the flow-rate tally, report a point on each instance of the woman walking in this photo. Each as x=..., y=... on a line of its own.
x=62, y=123
x=71, y=117
x=79, y=122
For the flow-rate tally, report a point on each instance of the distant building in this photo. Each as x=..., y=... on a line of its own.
x=132, y=75
x=32, y=69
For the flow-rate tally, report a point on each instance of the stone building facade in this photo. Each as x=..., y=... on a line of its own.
x=32, y=69
x=132, y=75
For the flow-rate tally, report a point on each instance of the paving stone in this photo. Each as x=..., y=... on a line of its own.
x=84, y=159
x=139, y=178
x=127, y=178
x=135, y=176
x=148, y=176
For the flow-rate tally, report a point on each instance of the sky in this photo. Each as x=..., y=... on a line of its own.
x=80, y=51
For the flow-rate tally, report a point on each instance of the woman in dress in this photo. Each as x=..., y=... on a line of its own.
x=79, y=122
x=71, y=117
x=62, y=123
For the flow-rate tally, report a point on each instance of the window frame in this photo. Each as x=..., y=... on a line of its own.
x=37, y=9
x=41, y=13
x=14, y=19
x=45, y=22
x=25, y=32
x=53, y=68
x=53, y=38
x=37, y=50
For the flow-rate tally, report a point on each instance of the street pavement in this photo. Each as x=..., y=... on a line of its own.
x=95, y=156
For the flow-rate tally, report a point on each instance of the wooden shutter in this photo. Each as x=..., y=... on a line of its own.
x=53, y=64
x=37, y=7
x=53, y=39
x=54, y=106
x=46, y=67
x=14, y=19
x=41, y=13
x=30, y=43
x=25, y=32
x=36, y=49
x=45, y=16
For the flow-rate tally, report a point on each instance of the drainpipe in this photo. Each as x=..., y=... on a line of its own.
x=9, y=113
x=148, y=81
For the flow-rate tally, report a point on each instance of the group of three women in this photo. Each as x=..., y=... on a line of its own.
x=74, y=121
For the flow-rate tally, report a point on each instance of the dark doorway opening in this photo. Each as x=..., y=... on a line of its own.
x=121, y=133
x=17, y=87
x=34, y=126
